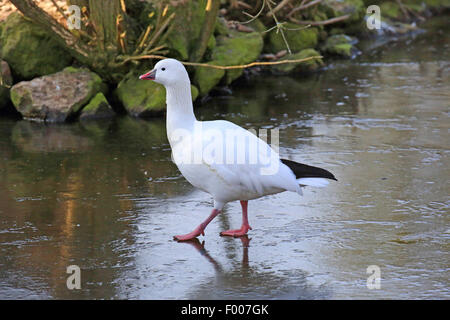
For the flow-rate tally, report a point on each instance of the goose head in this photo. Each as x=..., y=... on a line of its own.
x=168, y=72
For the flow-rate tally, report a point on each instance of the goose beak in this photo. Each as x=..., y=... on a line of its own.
x=149, y=75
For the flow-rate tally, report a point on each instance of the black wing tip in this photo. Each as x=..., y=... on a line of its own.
x=328, y=175
x=331, y=176
x=303, y=171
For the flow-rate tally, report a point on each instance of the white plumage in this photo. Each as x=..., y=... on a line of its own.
x=221, y=158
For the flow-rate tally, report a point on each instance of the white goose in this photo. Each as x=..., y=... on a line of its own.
x=221, y=158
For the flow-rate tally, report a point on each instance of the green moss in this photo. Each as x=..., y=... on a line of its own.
x=143, y=98
x=185, y=28
x=335, y=8
x=29, y=49
x=390, y=10
x=96, y=83
x=339, y=44
x=16, y=97
x=344, y=49
x=97, y=108
x=22, y=99
x=207, y=78
x=258, y=26
x=232, y=75
x=194, y=92
x=221, y=28
x=240, y=48
x=98, y=101
x=211, y=43
x=71, y=69
x=297, y=39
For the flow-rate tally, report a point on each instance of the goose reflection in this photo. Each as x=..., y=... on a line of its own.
x=244, y=281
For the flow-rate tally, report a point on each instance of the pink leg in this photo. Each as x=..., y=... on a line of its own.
x=245, y=226
x=199, y=230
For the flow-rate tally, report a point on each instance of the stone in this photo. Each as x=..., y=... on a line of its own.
x=185, y=28
x=207, y=78
x=143, y=98
x=237, y=49
x=221, y=27
x=336, y=8
x=97, y=108
x=258, y=26
x=340, y=44
x=296, y=39
x=57, y=97
x=30, y=50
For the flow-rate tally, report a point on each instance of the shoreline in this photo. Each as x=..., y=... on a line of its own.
x=233, y=44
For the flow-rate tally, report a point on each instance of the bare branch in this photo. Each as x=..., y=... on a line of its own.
x=243, y=66
x=321, y=23
x=256, y=16
x=77, y=48
x=279, y=7
x=303, y=7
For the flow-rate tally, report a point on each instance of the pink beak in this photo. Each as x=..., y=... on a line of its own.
x=149, y=75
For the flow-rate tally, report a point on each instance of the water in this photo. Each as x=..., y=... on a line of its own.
x=106, y=197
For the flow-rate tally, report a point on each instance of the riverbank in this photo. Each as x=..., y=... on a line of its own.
x=33, y=62
x=105, y=195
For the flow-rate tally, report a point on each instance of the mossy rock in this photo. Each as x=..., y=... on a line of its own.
x=29, y=49
x=340, y=44
x=307, y=66
x=221, y=28
x=185, y=29
x=336, y=8
x=343, y=49
x=142, y=98
x=211, y=43
x=57, y=97
x=207, y=78
x=239, y=48
x=97, y=108
x=258, y=26
x=296, y=39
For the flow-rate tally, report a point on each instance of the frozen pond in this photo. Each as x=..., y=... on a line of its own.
x=105, y=195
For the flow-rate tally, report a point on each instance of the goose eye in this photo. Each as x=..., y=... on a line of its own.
x=163, y=69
